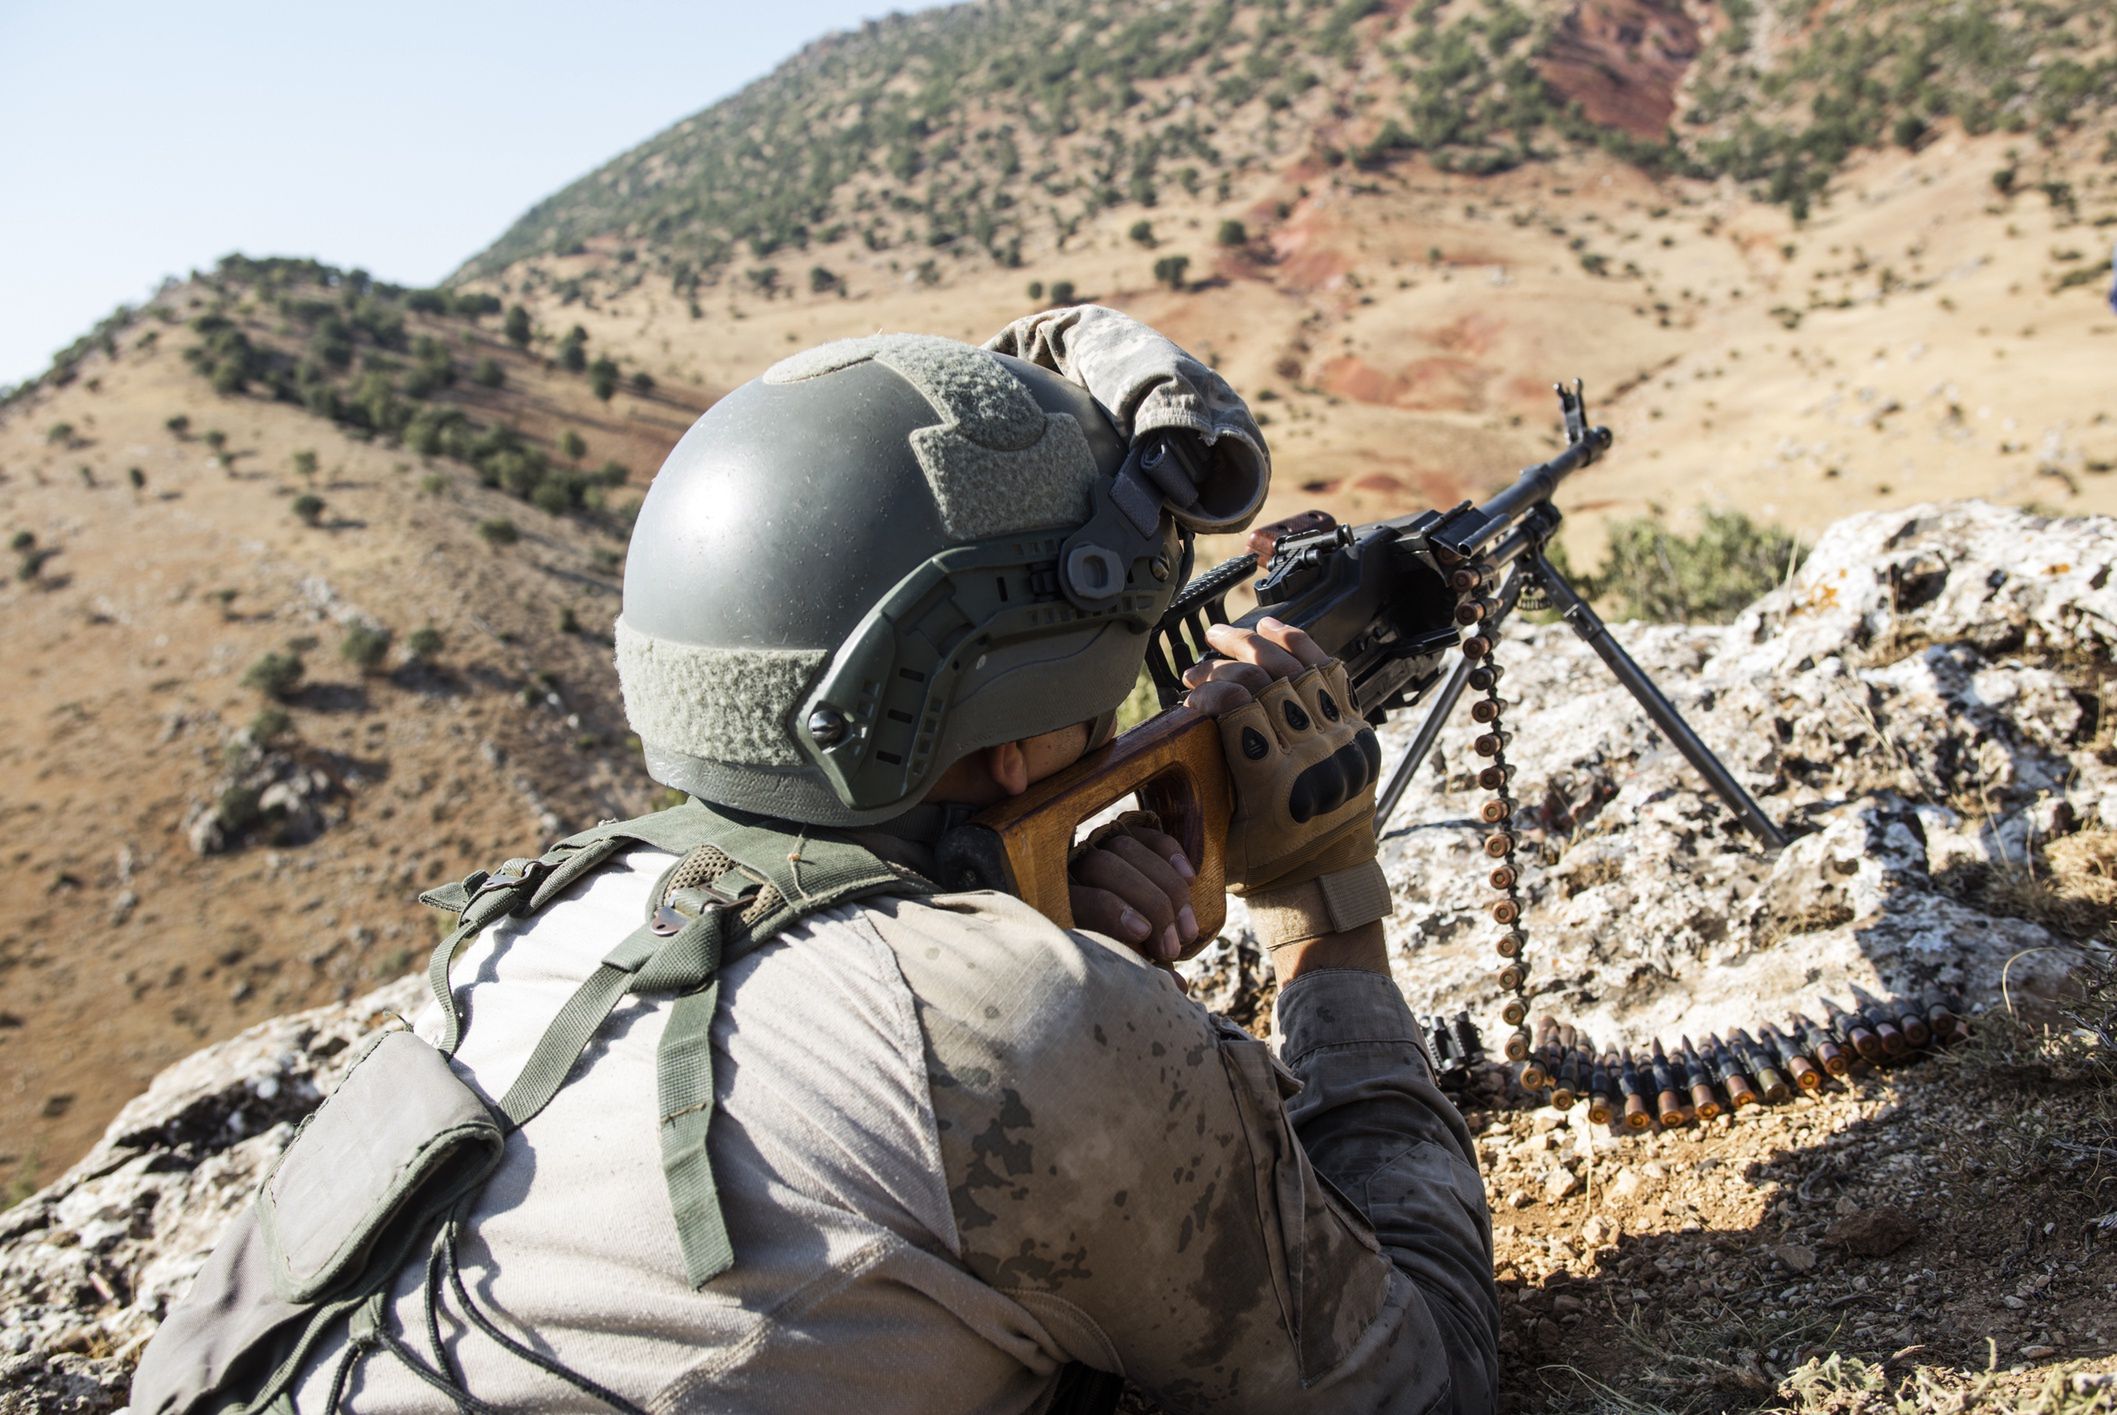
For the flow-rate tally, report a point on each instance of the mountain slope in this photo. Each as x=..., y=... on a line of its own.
x=141, y=604
x=969, y=133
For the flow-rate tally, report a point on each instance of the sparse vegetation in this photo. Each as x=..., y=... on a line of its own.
x=308, y=507
x=498, y=531
x=276, y=675
x=423, y=645
x=365, y=646
x=1651, y=572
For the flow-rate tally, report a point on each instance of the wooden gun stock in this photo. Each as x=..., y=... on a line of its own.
x=1173, y=761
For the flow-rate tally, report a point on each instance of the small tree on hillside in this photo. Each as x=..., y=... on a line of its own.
x=276, y=675
x=365, y=646
x=573, y=445
x=518, y=327
x=488, y=374
x=309, y=507
x=498, y=532
x=179, y=426
x=1232, y=233
x=305, y=464
x=602, y=378
x=1170, y=269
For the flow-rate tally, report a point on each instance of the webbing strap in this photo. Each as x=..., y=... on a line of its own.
x=684, y=1087
x=576, y=1025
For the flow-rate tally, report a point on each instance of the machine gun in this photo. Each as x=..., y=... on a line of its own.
x=1393, y=600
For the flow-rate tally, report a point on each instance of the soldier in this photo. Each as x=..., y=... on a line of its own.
x=736, y=1106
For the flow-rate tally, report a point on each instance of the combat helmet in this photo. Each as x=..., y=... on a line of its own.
x=887, y=553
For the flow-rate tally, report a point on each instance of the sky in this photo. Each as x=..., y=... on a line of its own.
x=139, y=140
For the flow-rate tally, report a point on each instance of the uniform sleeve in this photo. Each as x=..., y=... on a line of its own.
x=1171, y=1202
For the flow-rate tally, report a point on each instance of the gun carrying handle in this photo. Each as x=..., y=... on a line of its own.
x=1173, y=761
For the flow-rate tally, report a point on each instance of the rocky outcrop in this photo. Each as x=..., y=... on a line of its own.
x=1924, y=706
x=89, y=1266
x=264, y=792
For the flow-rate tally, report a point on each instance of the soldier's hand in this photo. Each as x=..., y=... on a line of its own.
x=1132, y=882
x=1303, y=761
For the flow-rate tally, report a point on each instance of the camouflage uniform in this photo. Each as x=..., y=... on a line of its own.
x=957, y=1148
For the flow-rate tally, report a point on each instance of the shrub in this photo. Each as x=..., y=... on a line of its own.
x=423, y=645
x=643, y=383
x=821, y=280
x=1142, y=232
x=216, y=439
x=1170, y=270
x=21, y=541
x=138, y=479
x=488, y=374
x=272, y=724
x=433, y=483
x=1062, y=292
x=499, y=531
x=573, y=350
x=517, y=327
x=1036, y=289
x=1232, y=233
x=1708, y=578
x=573, y=445
x=305, y=463
x=309, y=507
x=62, y=433
x=275, y=675
x=365, y=646
x=602, y=378
x=179, y=425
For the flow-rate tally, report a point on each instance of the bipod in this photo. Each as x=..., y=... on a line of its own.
x=1589, y=625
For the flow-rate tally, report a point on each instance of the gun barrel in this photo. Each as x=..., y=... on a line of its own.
x=1532, y=488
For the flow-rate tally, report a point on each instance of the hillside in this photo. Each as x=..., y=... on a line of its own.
x=168, y=538
x=1809, y=260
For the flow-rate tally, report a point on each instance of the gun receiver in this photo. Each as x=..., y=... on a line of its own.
x=1390, y=599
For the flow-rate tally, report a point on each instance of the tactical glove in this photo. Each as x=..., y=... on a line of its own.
x=1301, y=843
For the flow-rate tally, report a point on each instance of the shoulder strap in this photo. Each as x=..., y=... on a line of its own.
x=771, y=879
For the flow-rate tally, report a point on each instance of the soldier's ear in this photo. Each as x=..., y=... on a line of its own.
x=1008, y=767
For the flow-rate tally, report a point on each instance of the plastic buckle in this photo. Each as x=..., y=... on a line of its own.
x=669, y=919
x=512, y=875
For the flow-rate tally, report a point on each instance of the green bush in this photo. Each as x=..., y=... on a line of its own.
x=1709, y=578
x=1142, y=232
x=602, y=378
x=423, y=645
x=1232, y=233
x=309, y=507
x=517, y=327
x=573, y=445
x=1170, y=270
x=1036, y=289
x=62, y=433
x=271, y=725
x=275, y=675
x=216, y=439
x=433, y=483
x=365, y=646
x=643, y=383
x=573, y=350
x=305, y=463
x=488, y=374
x=1062, y=292
x=179, y=425
x=498, y=531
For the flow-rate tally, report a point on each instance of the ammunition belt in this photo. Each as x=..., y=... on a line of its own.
x=1634, y=1087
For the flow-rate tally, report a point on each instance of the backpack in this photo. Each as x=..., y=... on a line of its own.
x=394, y=1160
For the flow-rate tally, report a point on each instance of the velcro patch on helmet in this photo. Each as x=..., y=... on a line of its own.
x=996, y=462
x=721, y=704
